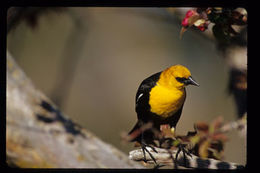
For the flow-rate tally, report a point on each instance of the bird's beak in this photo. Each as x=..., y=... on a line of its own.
x=191, y=81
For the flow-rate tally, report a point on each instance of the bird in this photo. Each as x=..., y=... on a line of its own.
x=159, y=100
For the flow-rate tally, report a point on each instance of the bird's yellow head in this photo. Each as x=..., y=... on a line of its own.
x=179, y=71
x=177, y=76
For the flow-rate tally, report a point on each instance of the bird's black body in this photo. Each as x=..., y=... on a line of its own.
x=159, y=100
x=144, y=114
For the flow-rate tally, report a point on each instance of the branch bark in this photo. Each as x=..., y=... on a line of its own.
x=164, y=157
x=39, y=135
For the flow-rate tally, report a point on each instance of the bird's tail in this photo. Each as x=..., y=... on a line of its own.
x=135, y=132
x=141, y=128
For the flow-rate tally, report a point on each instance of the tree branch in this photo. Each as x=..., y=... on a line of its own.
x=39, y=135
x=163, y=156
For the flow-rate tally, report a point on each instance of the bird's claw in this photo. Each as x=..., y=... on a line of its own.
x=182, y=149
x=143, y=146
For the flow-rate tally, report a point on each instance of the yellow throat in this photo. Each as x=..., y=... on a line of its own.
x=167, y=97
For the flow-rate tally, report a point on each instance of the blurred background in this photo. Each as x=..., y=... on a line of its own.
x=90, y=62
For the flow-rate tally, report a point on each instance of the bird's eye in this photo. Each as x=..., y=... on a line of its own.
x=181, y=79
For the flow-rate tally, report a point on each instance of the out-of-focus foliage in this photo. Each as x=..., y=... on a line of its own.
x=208, y=139
x=30, y=15
x=222, y=18
x=229, y=30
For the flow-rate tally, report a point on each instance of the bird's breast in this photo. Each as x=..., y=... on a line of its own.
x=164, y=101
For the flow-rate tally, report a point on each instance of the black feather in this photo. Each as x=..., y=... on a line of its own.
x=144, y=114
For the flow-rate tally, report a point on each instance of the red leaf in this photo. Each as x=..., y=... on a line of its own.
x=202, y=126
x=217, y=123
x=220, y=136
x=183, y=29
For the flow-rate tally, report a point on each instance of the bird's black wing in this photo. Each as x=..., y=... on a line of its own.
x=142, y=106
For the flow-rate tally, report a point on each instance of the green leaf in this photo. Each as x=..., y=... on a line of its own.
x=203, y=149
x=176, y=143
x=195, y=139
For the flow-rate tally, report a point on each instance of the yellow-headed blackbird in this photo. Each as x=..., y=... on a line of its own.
x=159, y=100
